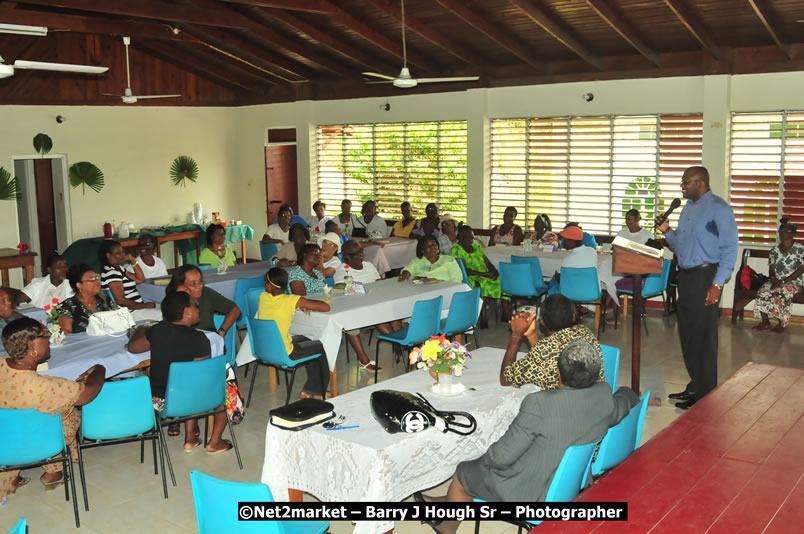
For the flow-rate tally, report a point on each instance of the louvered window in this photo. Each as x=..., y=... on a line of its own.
x=767, y=172
x=419, y=162
x=591, y=169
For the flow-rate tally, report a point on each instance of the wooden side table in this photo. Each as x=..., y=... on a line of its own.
x=18, y=260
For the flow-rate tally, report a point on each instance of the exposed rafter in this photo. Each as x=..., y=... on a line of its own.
x=311, y=6
x=620, y=24
x=435, y=37
x=692, y=21
x=555, y=28
x=771, y=24
x=500, y=35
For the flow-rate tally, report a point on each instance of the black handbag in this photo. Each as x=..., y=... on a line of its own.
x=400, y=411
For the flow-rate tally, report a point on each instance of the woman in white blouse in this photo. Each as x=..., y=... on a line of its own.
x=152, y=266
x=42, y=291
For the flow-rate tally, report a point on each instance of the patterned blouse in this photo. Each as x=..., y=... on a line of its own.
x=74, y=309
x=312, y=284
x=540, y=365
x=786, y=263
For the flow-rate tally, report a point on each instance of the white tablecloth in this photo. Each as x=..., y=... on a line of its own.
x=386, y=300
x=369, y=465
x=222, y=283
x=393, y=255
x=551, y=263
x=80, y=352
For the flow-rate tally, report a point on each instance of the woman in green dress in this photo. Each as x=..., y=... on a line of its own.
x=430, y=264
x=480, y=270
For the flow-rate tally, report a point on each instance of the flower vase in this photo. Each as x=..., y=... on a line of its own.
x=442, y=376
x=56, y=335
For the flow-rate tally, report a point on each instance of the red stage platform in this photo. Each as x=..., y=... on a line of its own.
x=733, y=463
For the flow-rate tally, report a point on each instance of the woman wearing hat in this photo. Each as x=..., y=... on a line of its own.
x=580, y=256
x=330, y=248
x=448, y=236
x=775, y=297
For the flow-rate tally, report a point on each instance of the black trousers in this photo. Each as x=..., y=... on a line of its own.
x=697, y=329
x=318, y=369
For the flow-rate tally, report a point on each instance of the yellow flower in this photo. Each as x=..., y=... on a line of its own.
x=430, y=350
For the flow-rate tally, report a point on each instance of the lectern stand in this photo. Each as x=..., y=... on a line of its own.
x=629, y=261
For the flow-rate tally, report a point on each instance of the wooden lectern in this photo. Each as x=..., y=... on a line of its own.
x=635, y=259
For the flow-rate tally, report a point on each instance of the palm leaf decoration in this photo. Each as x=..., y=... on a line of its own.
x=42, y=143
x=9, y=187
x=86, y=175
x=183, y=168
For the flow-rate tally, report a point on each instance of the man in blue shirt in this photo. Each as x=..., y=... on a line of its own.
x=705, y=243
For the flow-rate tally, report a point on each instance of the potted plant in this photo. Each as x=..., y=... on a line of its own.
x=440, y=356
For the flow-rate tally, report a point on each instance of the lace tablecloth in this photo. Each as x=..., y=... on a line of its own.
x=367, y=464
x=385, y=300
x=222, y=283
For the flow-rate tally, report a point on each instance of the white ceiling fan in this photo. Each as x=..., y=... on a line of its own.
x=8, y=70
x=404, y=80
x=127, y=96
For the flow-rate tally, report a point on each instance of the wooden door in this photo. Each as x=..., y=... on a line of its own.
x=45, y=211
x=281, y=181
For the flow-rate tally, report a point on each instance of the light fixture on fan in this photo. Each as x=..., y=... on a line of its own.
x=8, y=70
x=19, y=29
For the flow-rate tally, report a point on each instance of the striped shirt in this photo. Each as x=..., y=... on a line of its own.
x=111, y=274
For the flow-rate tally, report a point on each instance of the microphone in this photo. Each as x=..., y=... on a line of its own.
x=673, y=205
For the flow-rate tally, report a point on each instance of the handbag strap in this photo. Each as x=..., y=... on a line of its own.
x=450, y=422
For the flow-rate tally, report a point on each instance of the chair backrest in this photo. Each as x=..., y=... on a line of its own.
x=242, y=286
x=571, y=472
x=109, y=294
x=580, y=284
x=252, y=304
x=123, y=408
x=517, y=279
x=205, y=267
x=268, y=251
x=29, y=436
x=657, y=282
x=216, y=505
x=463, y=271
x=425, y=320
x=228, y=341
x=268, y=343
x=20, y=527
x=330, y=281
x=195, y=387
x=622, y=439
x=463, y=311
x=611, y=365
x=535, y=268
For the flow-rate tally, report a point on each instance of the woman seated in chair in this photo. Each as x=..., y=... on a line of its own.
x=216, y=252
x=543, y=231
x=278, y=231
x=479, y=269
x=430, y=226
x=21, y=387
x=152, y=266
x=298, y=235
x=507, y=233
x=75, y=311
x=449, y=234
x=305, y=278
x=775, y=297
x=120, y=275
x=404, y=226
x=188, y=278
x=333, y=227
x=41, y=291
x=275, y=305
x=429, y=263
x=330, y=248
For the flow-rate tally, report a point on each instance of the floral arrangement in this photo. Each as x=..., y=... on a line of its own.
x=23, y=248
x=52, y=311
x=440, y=355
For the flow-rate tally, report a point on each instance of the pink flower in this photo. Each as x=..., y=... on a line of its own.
x=55, y=300
x=47, y=307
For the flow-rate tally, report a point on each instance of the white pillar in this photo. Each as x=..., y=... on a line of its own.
x=478, y=158
x=716, y=126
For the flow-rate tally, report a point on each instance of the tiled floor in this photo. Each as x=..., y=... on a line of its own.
x=126, y=497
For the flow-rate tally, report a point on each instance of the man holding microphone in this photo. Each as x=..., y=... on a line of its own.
x=705, y=243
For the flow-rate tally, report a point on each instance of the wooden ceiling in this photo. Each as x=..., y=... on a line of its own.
x=239, y=52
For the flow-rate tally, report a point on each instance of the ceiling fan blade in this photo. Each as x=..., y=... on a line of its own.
x=113, y=95
x=60, y=67
x=143, y=97
x=378, y=75
x=452, y=79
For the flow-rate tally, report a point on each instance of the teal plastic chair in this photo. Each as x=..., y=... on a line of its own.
x=567, y=481
x=243, y=286
x=32, y=439
x=109, y=294
x=330, y=281
x=424, y=323
x=252, y=304
x=463, y=271
x=205, y=267
x=269, y=349
x=20, y=527
x=582, y=286
x=121, y=413
x=611, y=365
x=655, y=285
x=229, y=349
x=516, y=281
x=622, y=439
x=194, y=390
x=462, y=315
x=268, y=251
x=536, y=270
x=216, y=508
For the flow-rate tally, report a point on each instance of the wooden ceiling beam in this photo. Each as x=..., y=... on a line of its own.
x=620, y=24
x=349, y=52
x=771, y=24
x=557, y=29
x=689, y=18
x=310, y=6
x=501, y=36
x=435, y=37
x=82, y=24
x=150, y=9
